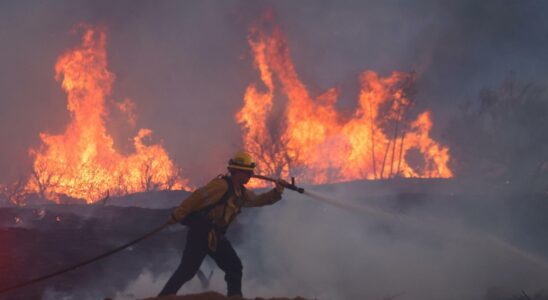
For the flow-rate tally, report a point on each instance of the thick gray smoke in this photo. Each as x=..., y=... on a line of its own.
x=431, y=248
x=427, y=243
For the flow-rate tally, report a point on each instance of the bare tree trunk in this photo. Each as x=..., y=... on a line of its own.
x=384, y=158
x=395, y=137
x=405, y=114
x=401, y=151
x=373, y=158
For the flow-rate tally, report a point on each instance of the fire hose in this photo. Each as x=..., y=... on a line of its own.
x=290, y=186
x=86, y=262
x=293, y=187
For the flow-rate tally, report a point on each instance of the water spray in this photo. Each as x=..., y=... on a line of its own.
x=407, y=220
x=291, y=186
x=345, y=205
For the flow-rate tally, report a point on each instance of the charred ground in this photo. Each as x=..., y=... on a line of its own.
x=45, y=238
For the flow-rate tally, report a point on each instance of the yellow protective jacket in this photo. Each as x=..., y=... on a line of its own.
x=222, y=215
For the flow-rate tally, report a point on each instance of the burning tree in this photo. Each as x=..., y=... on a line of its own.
x=313, y=140
x=15, y=193
x=45, y=179
x=82, y=162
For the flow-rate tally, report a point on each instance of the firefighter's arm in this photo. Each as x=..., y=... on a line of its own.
x=199, y=199
x=267, y=198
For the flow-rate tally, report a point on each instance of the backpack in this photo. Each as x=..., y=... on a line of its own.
x=201, y=218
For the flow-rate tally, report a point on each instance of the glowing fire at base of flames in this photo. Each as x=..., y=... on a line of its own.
x=313, y=141
x=82, y=162
x=317, y=143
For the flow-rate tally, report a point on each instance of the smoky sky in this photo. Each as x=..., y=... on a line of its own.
x=186, y=64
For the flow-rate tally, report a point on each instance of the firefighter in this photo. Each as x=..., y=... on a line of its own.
x=208, y=212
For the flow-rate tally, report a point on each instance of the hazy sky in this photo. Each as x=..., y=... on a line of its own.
x=186, y=64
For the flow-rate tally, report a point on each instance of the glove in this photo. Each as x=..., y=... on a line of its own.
x=280, y=185
x=172, y=220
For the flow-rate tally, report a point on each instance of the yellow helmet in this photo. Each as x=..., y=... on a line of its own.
x=242, y=161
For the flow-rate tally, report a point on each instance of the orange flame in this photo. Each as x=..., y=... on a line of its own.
x=82, y=162
x=319, y=144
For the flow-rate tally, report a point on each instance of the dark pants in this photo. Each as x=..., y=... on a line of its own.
x=195, y=251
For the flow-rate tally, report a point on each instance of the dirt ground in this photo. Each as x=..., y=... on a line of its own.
x=214, y=296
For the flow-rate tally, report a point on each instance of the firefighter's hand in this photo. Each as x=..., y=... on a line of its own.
x=280, y=185
x=172, y=220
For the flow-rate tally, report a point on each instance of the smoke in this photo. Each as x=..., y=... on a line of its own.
x=414, y=239
x=186, y=64
x=434, y=249
x=424, y=240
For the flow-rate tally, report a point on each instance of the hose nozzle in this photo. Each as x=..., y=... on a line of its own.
x=288, y=185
